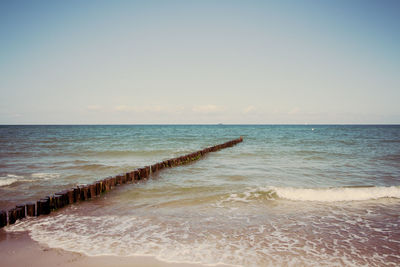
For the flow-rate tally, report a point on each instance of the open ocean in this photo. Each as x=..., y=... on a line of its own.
x=291, y=195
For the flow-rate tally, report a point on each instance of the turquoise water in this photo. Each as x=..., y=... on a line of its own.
x=288, y=195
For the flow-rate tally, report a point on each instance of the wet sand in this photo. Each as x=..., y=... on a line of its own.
x=19, y=250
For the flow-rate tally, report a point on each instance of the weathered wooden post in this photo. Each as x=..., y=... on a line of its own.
x=92, y=190
x=58, y=201
x=154, y=168
x=128, y=177
x=12, y=216
x=123, y=178
x=136, y=177
x=84, y=192
x=113, y=182
x=141, y=173
x=52, y=203
x=38, y=208
x=70, y=195
x=118, y=179
x=30, y=209
x=44, y=206
x=77, y=193
x=3, y=218
x=21, y=213
x=107, y=184
x=104, y=185
x=64, y=201
x=98, y=188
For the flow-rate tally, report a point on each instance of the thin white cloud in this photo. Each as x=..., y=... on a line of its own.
x=94, y=107
x=294, y=111
x=207, y=109
x=249, y=109
x=148, y=109
x=124, y=108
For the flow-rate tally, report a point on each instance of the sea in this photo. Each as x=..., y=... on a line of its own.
x=288, y=195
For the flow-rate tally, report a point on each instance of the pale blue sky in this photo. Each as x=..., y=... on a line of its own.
x=104, y=62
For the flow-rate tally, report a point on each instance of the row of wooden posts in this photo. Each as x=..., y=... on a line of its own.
x=84, y=192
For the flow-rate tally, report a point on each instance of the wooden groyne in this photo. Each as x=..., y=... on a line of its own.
x=80, y=193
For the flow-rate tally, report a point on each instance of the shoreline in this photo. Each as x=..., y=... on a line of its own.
x=18, y=249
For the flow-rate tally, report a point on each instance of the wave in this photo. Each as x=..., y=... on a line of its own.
x=45, y=175
x=336, y=194
x=9, y=179
x=12, y=178
x=89, y=167
x=116, y=153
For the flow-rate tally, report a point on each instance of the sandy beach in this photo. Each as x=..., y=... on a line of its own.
x=19, y=250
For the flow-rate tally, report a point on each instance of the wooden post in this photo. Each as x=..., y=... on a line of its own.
x=64, y=200
x=84, y=192
x=113, y=182
x=65, y=197
x=19, y=213
x=12, y=216
x=136, y=176
x=3, y=218
x=38, y=208
x=44, y=206
x=70, y=195
x=118, y=179
x=153, y=168
x=92, y=190
x=107, y=184
x=58, y=201
x=98, y=188
x=144, y=172
x=30, y=209
x=52, y=204
x=104, y=186
x=77, y=193
x=141, y=173
x=22, y=211
x=128, y=177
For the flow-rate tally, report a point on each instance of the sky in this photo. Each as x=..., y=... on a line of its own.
x=199, y=62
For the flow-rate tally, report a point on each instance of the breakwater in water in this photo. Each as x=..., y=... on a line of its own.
x=56, y=201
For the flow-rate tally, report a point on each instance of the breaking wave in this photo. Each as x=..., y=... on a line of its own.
x=337, y=194
x=10, y=179
x=315, y=194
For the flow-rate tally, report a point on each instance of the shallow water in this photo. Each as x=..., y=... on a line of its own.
x=288, y=195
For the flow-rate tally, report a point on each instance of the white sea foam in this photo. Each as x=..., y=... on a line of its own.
x=336, y=194
x=9, y=179
x=310, y=194
x=45, y=175
x=308, y=240
x=12, y=178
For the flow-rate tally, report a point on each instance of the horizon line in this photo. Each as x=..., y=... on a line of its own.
x=190, y=124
